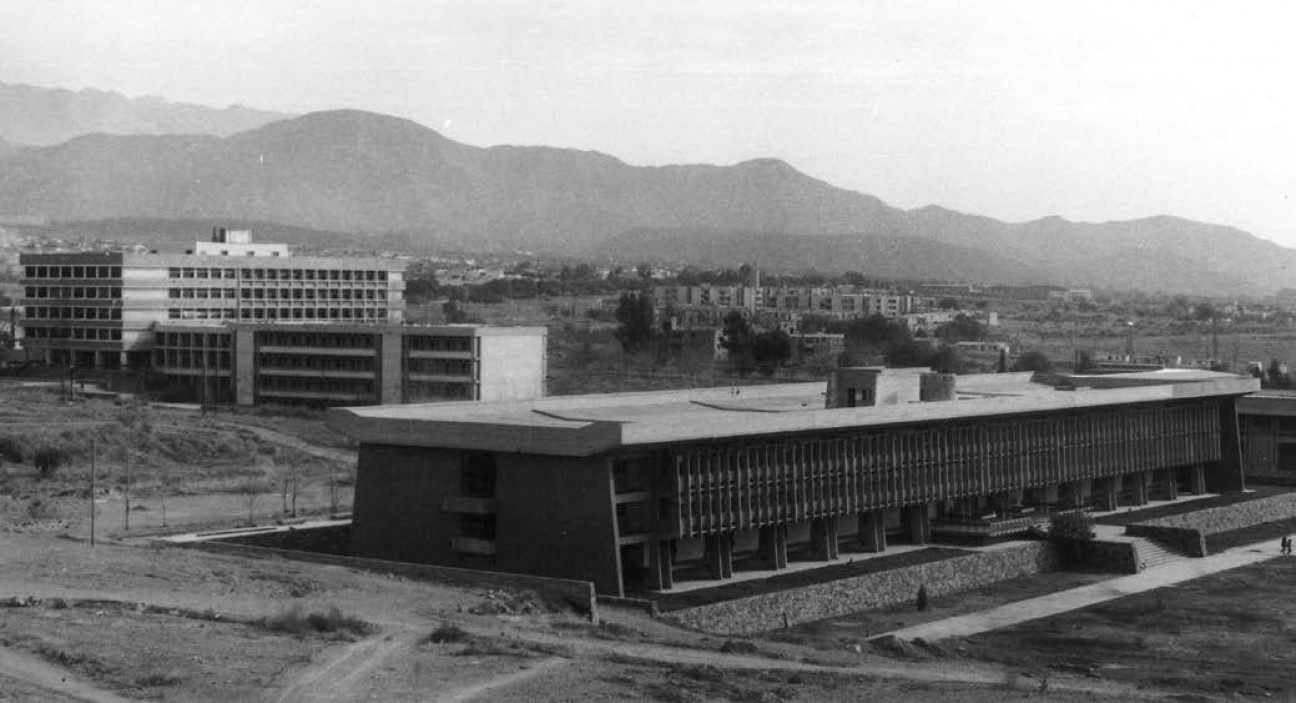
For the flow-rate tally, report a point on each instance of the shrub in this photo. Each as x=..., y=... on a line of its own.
x=11, y=450
x=446, y=633
x=922, y=597
x=296, y=621
x=1071, y=534
x=48, y=460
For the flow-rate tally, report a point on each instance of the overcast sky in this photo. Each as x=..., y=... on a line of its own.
x=1089, y=110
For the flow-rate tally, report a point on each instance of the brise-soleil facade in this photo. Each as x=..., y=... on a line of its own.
x=638, y=491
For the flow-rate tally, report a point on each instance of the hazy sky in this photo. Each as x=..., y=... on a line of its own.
x=1090, y=110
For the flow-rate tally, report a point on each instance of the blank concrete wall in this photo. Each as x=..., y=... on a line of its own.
x=557, y=518
x=398, y=504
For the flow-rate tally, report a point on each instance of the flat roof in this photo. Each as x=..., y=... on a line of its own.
x=591, y=424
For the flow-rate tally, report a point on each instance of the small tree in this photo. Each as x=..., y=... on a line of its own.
x=635, y=317
x=48, y=460
x=922, y=596
x=1071, y=534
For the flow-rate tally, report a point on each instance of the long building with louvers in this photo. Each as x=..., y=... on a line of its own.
x=636, y=491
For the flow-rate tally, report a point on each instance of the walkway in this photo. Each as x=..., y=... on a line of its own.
x=1085, y=596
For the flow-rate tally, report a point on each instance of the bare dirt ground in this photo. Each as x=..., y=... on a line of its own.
x=115, y=621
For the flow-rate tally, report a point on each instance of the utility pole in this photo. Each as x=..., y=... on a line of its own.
x=94, y=453
x=127, y=491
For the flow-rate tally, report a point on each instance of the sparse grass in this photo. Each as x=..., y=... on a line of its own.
x=295, y=620
x=157, y=679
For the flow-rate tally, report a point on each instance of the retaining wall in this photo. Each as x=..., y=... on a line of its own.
x=322, y=540
x=1182, y=539
x=1187, y=531
x=771, y=611
x=579, y=594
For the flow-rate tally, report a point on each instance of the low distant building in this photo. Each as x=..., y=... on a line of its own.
x=334, y=364
x=1073, y=295
x=982, y=347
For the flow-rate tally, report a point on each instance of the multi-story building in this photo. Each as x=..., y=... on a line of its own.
x=350, y=364
x=97, y=309
x=635, y=490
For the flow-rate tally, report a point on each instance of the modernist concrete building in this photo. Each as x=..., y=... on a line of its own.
x=350, y=364
x=633, y=491
x=97, y=309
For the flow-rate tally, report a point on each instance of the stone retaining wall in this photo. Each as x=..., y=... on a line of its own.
x=1232, y=517
x=579, y=594
x=771, y=611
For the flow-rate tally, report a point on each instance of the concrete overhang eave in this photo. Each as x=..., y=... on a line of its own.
x=568, y=439
x=661, y=432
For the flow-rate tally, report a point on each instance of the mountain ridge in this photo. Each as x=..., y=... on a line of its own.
x=358, y=171
x=38, y=116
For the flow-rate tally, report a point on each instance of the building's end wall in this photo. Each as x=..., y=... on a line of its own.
x=399, y=496
x=557, y=517
x=512, y=367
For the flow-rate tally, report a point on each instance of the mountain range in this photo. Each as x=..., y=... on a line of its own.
x=356, y=171
x=39, y=116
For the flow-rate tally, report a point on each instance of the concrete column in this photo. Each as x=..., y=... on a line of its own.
x=660, y=577
x=1138, y=487
x=823, y=535
x=915, y=517
x=719, y=556
x=1170, y=484
x=872, y=531
x=1197, y=479
x=1105, y=492
x=773, y=547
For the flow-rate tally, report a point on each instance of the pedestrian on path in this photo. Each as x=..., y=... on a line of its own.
x=1282, y=545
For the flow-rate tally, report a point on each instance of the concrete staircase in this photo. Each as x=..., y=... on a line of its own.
x=1152, y=553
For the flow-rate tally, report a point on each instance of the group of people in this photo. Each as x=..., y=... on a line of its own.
x=1285, y=545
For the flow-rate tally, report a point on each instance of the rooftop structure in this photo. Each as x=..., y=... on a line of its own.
x=634, y=490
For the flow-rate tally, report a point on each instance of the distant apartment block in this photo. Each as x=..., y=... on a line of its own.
x=1073, y=295
x=827, y=302
x=350, y=364
x=97, y=309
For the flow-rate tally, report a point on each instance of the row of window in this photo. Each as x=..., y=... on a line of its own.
x=435, y=343
x=185, y=359
x=276, y=313
x=315, y=385
x=277, y=274
x=441, y=367
x=72, y=271
x=88, y=292
x=438, y=390
x=277, y=294
x=34, y=312
x=192, y=340
x=316, y=363
x=89, y=334
x=319, y=340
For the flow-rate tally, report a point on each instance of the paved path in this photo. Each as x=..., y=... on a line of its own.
x=1084, y=596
